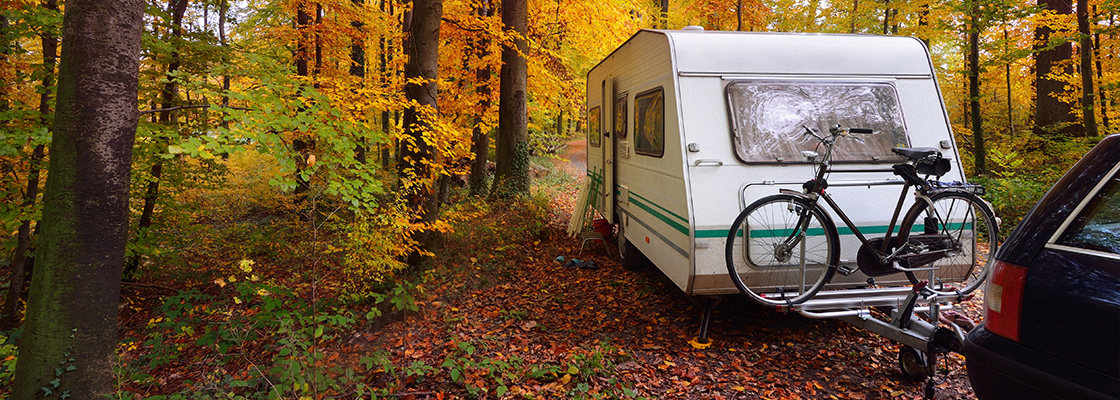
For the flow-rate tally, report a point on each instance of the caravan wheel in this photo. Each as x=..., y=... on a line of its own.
x=632, y=258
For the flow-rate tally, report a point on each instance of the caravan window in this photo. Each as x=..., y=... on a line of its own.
x=593, y=133
x=768, y=116
x=649, y=123
x=620, y=116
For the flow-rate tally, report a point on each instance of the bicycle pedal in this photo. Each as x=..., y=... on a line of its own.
x=845, y=269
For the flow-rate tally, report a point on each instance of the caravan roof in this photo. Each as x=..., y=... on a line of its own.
x=739, y=53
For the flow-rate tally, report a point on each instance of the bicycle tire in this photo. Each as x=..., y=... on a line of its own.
x=972, y=233
x=769, y=271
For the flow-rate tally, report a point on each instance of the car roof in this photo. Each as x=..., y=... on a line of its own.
x=1039, y=225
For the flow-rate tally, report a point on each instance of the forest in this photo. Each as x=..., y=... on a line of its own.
x=333, y=198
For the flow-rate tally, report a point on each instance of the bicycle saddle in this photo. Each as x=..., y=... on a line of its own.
x=916, y=153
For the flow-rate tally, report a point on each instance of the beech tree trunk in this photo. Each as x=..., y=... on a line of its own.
x=70, y=333
x=979, y=148
x=416, y=153
x=5, y=51
x=852, y=17
x=302, y=143
x=1101, y=98
x=1052, y=116
x=664, y=17
x=386, y=56
x=23, y=235
x=480, y=139
x=1088, y=116
x=739, y=15
x=358, y=69
x=512, y=175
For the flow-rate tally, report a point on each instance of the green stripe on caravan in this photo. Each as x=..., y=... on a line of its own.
x=683, y=219
x=637, y=201
x=866, y=230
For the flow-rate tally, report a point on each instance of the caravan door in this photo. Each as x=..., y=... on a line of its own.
x=609, y=138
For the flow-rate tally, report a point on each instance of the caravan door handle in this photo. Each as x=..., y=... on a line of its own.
x=609, y=161
x=708, y=161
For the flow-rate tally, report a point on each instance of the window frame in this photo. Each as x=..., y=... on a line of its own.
x=639, y=123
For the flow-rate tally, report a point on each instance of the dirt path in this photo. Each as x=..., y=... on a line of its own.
x=576, y=156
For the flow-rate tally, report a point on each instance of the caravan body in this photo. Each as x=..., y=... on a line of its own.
x=687, y=128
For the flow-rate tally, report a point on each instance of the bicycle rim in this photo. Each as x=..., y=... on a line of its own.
x=779, y=251
x=960, y=236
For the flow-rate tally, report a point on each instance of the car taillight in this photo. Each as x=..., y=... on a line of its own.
x=1003, y=300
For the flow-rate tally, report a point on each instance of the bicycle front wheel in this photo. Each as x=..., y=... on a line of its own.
x=781, y=250
x=954, y=237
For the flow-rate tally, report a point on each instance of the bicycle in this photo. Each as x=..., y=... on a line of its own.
x=791, y=246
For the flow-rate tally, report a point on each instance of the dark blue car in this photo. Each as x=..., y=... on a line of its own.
x=1052, y=320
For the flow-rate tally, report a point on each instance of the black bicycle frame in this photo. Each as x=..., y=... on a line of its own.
x=815, y=190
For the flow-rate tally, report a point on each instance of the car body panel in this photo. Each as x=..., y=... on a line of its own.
x=1001, y=369
x=1075, y=291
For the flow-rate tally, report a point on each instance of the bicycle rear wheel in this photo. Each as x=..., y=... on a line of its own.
x=781, y=251
x=958, y=235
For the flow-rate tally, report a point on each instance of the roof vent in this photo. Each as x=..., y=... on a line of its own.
x=693, y=28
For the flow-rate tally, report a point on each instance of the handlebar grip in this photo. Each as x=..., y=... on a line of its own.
x=865, y=131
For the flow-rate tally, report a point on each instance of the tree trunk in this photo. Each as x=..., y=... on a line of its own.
x=512, y=176
x=1052, y=116
x=979, y=150
x=168, y=96
x=480, y=139
x=358, y=69
x=923, y=22
x=1007, y=74
x=23, y=235
x=739, y=15
x=886, y=16
x=224, y=9
x=852, y=20
x=663, y=18
x=1100, y=77
x=386, y=6
x=421, y=72
x=70, y=334
x=5, y=51
x=1088, y=116
x=302, y=143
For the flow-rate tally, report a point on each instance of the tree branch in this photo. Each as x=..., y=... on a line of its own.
x=144, y=112
x=150, y=285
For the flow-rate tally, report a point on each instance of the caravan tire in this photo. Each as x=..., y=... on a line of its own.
x=632, y=258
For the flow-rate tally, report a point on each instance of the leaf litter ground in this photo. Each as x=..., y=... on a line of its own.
x=534, y=329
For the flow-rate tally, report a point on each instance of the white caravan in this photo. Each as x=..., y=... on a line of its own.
x=686, y=128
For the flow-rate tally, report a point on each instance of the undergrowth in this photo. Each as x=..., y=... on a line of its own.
x=242, y=329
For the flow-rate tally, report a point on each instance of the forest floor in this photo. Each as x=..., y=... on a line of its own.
x=494, y=316
x=514, y=322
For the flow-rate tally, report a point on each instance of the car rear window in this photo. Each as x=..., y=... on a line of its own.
x=1098, y=226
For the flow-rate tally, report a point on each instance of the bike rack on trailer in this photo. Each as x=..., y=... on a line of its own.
x=923, y=340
